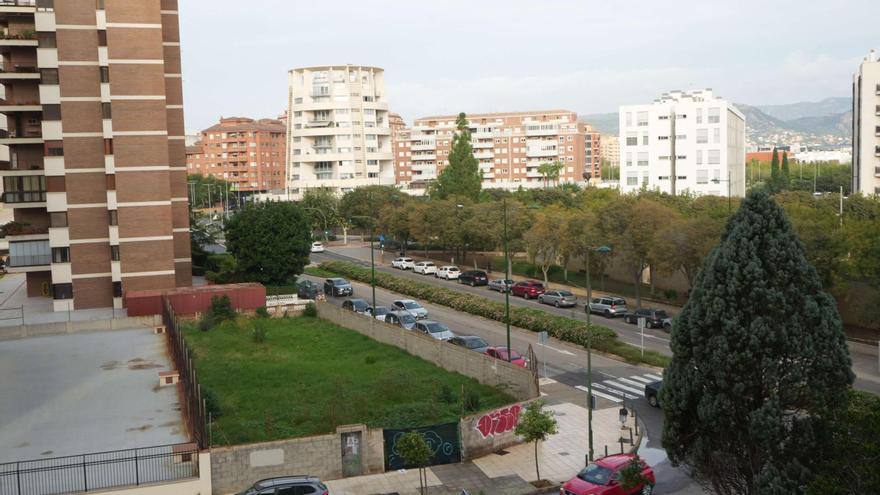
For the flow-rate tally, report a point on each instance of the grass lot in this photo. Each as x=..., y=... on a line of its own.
x=310, y=376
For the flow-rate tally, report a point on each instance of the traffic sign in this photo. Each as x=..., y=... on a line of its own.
x=542, y=337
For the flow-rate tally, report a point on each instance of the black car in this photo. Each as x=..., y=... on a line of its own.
x=338, y=287
x=654, y=318
x=356, y=305
x=287, y=485
x=306, y=289
x=473, y=278
x=652, y=393
x=471, y=342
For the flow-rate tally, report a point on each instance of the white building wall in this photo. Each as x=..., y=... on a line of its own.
x=866, y=126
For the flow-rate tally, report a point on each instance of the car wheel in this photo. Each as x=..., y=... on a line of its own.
x=556, y=304
x=653, y=401
x=667, y=328
x=607, y=314
x=473, y=284
x=648, y=489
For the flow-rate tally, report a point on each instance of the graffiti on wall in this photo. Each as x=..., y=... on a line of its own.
x=442, y=440
x=500, y=421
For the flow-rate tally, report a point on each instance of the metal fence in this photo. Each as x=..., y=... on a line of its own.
x=194, y=410
x=99, y=471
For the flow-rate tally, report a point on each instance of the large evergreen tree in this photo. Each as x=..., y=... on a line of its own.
x=760, y=363
x=461, y=177
x=785, y=176
x=774, y=171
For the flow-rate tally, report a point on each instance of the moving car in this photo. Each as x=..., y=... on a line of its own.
x=528, y=289
x=602, y=477
x=608, y=306
x=471, y=342
x=403, y=319
x=654, y=318
x=287, y=485
x=473, y=278
x=652, y=392
x=434, y=329
x=306, y=289
x=448, y=272
x=501, y=353
x=501, y=285
x=425, y=268
x=403, y=263
x=317, y=247
x=413, y=307
x=558, y=298
x=379, y=312
x=356, y=305
x=337, y=287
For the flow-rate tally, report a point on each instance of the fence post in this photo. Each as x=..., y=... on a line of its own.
x=85, y=476
x=630, y=436
x=606, y=450
x=18, y=477
x=137, y=475
x=621, y=445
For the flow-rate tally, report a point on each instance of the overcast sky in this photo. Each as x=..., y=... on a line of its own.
x=588, y=56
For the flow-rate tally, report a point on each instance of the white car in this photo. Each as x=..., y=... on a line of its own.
x=448, y=272
x=403, y=263
x=425, y=268
x=317, y=247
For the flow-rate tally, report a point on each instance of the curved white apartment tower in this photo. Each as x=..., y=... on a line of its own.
x=337, y=128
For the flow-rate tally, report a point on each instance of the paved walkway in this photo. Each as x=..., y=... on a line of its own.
x=16, y=308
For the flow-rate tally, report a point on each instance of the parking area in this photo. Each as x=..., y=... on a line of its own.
x=89, y=392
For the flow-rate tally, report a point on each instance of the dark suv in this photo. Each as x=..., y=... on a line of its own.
x=654, y=318
x=473, y=277
x=306, y=289
x=287, y=485
x=338, y=287
x=652, y=393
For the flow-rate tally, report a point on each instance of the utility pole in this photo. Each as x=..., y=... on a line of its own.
x=672, y=157
x=841, y=206
x=506, y=288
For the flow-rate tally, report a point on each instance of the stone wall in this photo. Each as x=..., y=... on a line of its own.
x=38, y=329
x=485, y=433
x=519, y=382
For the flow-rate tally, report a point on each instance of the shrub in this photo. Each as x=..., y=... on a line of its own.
x=262, y=312
x=370, y=360
x=310, y=310
x=471, y=401
x=207, y=321
x=445, y=394
x=221, y=309
x=670, y=294
x=212, y=403
x=259, y=332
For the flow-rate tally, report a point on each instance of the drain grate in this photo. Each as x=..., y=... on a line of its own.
x=502, y=452
x=563, y=453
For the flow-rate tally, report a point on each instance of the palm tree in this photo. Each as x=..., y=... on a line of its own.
x=550, y=171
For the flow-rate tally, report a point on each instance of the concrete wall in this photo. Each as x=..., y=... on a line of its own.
x=190, y=486
x=485, y=433
x=519, y=382
x=235, y=468
x=38, y=329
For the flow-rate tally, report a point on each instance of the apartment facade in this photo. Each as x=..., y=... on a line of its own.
x=508, y=146
x=93, y=141
x=249, y=154
x=685, y=141
x=609, y=150
x=866, y=126
x=338, y=129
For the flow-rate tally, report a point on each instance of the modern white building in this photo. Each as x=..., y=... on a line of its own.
x=866, y=126
x=337, y=129
x=683, y=142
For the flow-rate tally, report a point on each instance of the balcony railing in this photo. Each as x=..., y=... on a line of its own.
x=877, y=171
x=18, y=3
x=30, y=260
x=24, y=196
x=35, y=133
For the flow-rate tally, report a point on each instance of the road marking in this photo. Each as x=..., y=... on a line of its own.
x=643, y=380
x=546, y=381
x=624, y=387
x=614, y=391
x=561, y=351
x=631, y=382
x=600, y=394
x=655, y=377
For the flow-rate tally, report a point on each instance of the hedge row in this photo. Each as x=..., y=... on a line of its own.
x=559, y=327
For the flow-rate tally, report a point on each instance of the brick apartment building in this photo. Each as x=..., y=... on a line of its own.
x=248, y=153
x=509, y=147
x=92, y=148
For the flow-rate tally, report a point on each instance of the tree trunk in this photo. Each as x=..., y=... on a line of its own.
x=344, y=235
x=545, y=269
x=509, y=264
x=537, y=466
x=638, y=281
x=651, y=268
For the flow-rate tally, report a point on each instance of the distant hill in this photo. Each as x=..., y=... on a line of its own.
x=793, y=111
x=606, y=123
x=838, y=124
x=758, y=121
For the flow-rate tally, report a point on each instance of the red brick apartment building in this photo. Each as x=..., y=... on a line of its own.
x=92, y=148
x=248, y=153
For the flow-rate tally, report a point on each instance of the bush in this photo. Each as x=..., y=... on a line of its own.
x=370, y=360
x=670, y=294
x=259, y=332
x=221, y=309
x=310, y=310
x=445, y=394
x=471, y=401
x=262, y=312
x=212, y=404
x=207, y=321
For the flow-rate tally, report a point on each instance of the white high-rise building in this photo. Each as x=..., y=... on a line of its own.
x=337, y=129
x=866, y=126
x=684, y=142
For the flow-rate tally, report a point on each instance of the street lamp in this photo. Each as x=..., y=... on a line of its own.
x=599, y=249
x=507, y=274
x=718, y=181
x=372, y=260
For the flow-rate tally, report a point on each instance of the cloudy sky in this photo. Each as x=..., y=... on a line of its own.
x=491, y=55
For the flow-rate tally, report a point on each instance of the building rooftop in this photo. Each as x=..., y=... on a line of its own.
x=471, y=116
x=228, y=124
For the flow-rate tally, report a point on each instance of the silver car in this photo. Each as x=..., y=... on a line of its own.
x=413, y=307
x=434, y=329
x=608, y=306
x=403, y=319
x=379, y=312
x=501, y=285
x=558, y=298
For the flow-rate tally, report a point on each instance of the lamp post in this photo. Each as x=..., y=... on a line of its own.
x=718, y=181
x=372, y=260
x=599, y=249
x=506, y=278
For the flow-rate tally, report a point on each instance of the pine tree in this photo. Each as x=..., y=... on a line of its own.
x=461, y=177
x=786, y=177
x=774, y=172
x=760, y=363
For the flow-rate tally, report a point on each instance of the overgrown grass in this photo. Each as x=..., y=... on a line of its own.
x=310, y=376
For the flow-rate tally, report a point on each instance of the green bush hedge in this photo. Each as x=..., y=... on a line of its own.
x=536, y=320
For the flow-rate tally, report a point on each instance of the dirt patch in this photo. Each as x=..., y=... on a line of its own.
x=110, y=365
x=48, y=452
x=169, y=423
x=142, y=364
x=140, y=428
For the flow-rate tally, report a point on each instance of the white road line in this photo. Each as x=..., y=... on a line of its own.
x=654, y=377
x=613, y=391
x=641, y=379
x=631, y=382
x=560, y=351
x=600, y=394
x=624, y=387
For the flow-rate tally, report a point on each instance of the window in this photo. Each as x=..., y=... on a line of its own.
x=54, y=148
x=114, y=218
x=629, y=159
x=51, y=112
x=62, y=291
x=714, y=157
x=702, y=136
x=46, y=40
x=716, y=135
x=48, y=76
x=632, y=178
x=105, y=74
x=105, y=111
x=702, y=176
x=45, y=4
x=117, y=289
x=102, y=38
x=99, y=4
x=632, y=139
x=699, y=157
x=108, y=146
x=629, y=119
x=61, y=255
x=114, y=253
x=714, y=115
x=643, y=160
x=699, y=115
x=645, y=138
x=58, y=219
x=642, y=119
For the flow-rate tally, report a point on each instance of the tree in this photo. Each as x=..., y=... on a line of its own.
x=270, y=242
x=415, y=451
x=683, y=245
x=535, y=425
x=785, y=177
x=543, y=239
x=206, y=191
x=321, y=205
x=394, y=221
x=461, y=177
x=367, y=201
x=631, y=475
x=774, y=172
x=759, y=364
x=635, y=240
x=550, y=171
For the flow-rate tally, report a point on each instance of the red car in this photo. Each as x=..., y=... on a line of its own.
x=530, y=289
x=602, y=475
x=501, y=353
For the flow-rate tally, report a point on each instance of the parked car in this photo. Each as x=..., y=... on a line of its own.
x=356, y=305
x=558, y=298
x=287, y=485
x=607, y=306
x=337, y=287
x=501, y=285
x=471, y=342
x=403, y=263
x=379, y=312
x=403, y=319
x=501, y=353
x=434, y=329
x=473, y=278
x=425, y=268
x=654, y=318
x=306, y=289
x=652, y=393
x=528, y=289
x=317, y=247
x=602, y=477
x=413, y=307
x=448, y=272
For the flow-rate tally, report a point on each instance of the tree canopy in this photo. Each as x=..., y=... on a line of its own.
x=461, y=176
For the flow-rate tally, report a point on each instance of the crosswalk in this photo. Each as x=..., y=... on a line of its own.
x=619, y=389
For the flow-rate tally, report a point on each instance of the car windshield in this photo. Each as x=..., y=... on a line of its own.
x=437, y=327
x=595, y=474
x=618, y=301
x=381, y=311
x=411, y=305
x=407, y=318
x=360, y=304
x=475, y=343
x=565, y=293
x=513, y=354
x=661, y=314
x=340, y=282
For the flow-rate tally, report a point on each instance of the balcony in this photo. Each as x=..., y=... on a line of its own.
x=319, y=123
x=24, y=39
x=20, y=106
x=18, y=197
x=483, y=144
x=17, y=7
x=423, y=156
x=484, y=154
x=542, y=130
x=19, y=72
x=541, y=152
x=423, y=146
